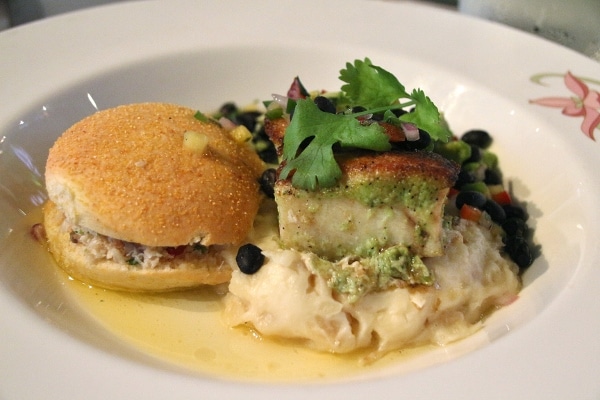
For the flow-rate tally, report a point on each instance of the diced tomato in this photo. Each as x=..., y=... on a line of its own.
x=502, y=198
x=394, y=132
x=453, y=192
x=470, y=213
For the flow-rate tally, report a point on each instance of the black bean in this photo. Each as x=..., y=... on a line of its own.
x=421, y=143
x=519, y=251
x=228, y=109
x=478, y=137
x=378, y=117
x=475, y=155
x=513, y=211
x=495, y=211
x=249, y=258
x=515, y=227
x=464, y=177
x=325, y=104
x=267, y=182
x=265, y=148
x=269, y=154
x=492, y=177
x=248, y=119
x=399, y=112
x=471, y=198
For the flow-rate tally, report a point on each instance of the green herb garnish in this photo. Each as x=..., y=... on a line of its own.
x=133, y=261
x=378, y=90
x=201, y=117
x=200, y=248
x=370, y=87
x=315, y=165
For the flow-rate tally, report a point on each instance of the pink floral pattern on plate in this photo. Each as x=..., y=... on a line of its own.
x=583, y=103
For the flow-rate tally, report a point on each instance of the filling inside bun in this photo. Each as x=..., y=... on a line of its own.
x=144, y=257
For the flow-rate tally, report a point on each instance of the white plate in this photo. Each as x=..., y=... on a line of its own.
x=54, y=72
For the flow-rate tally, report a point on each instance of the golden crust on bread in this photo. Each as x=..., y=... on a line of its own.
x=125, y=173
x=178, y=273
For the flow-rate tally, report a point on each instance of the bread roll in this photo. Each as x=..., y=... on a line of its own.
x=130, y=173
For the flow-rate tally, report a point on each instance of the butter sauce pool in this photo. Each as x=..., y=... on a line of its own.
x=185, y=329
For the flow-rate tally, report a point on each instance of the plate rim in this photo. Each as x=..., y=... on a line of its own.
x=162, y=381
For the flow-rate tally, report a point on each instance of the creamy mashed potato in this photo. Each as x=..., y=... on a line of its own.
x=287, y=298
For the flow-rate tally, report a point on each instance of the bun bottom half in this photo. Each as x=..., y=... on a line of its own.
x=179, y=273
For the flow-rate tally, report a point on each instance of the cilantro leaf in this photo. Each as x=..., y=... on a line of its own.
x=315, y=165
x=201, y=117
x=370, y=86
x=427, y=117
x=378, y=90
x=308, y=153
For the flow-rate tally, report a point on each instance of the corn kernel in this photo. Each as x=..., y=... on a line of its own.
x=240, y=134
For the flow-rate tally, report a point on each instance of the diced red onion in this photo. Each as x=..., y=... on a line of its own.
x=226, y=123
x=410, y=131
x=281, y=100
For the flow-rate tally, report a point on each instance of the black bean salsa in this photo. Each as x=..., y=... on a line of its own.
x=478, y=192
x=480, y=189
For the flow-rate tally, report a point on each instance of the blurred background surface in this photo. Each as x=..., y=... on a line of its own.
x=572, y=23
x=17, y=12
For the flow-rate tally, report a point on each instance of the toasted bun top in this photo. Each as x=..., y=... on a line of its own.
x=126, y=173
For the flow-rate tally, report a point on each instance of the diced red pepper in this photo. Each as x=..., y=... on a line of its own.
x=502, y=198
x=470, y=213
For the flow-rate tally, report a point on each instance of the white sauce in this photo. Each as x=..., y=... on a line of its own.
x=286, y=298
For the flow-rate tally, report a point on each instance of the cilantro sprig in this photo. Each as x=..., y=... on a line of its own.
x=308, y=151
x=315, y=165
x=370, y=86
